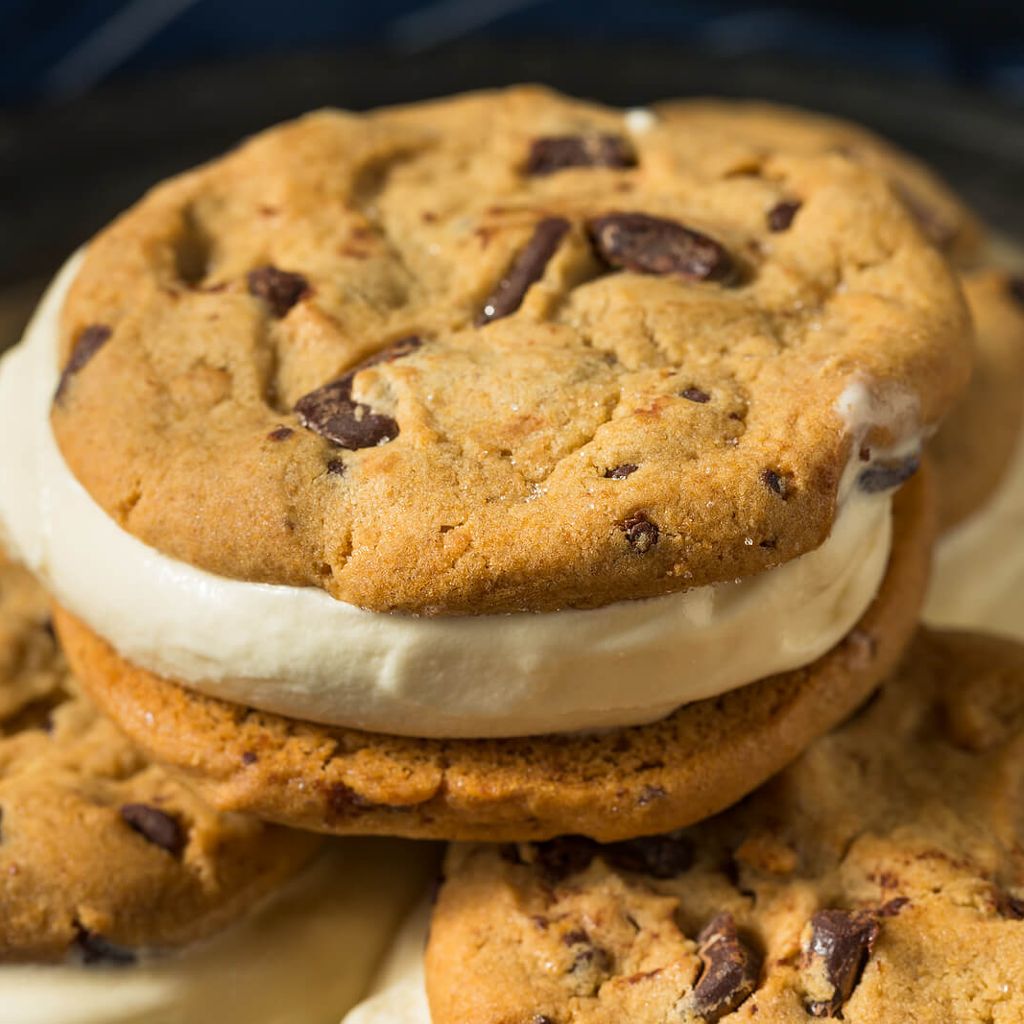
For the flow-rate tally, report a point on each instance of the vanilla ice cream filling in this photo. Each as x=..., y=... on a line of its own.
x=302, y=653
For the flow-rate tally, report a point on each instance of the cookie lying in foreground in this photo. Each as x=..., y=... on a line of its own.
x=103, y=855
x=880, y=878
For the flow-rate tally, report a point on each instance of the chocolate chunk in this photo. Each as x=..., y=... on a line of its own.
x=279, y=289
x=653, y=245
x=527, y=267
x=641, y=533
x=555, y=152
x=1015, y=286
x=155, y=825
x=280, y=434
x=335, y=467
x=249, y=757
x=841, y=942
x=775, y=482
x=95, y=949
x=883, y=476
x=665, y=856
x=88, y=343
x=567, y=855
x=695, y=395
x=331, y=411
x=730, y=970
x=781, y=215
x=622, y=471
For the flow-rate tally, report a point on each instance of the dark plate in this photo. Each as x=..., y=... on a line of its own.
x=65, y=171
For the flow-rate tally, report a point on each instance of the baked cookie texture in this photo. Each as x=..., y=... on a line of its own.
x=975, y=444
x=445, y=358
x=943, y=217
x=101, y=853
x=880, y=878
x=611, y=785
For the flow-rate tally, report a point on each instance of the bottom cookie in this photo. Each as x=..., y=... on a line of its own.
x=611, y=785
x=880, y=878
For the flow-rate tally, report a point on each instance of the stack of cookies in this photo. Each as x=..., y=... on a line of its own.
x=556, y=481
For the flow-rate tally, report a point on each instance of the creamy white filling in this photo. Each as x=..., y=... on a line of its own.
x=306, y=955
x=398, y=994
x=299, y=652
x=978, y=576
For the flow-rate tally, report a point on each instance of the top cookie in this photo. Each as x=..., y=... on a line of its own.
x=497, y=352
x=101, y=852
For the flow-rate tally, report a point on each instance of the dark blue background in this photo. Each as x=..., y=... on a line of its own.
x=60, y=48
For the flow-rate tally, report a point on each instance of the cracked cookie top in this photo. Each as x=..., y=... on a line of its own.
x=879, y=878
x=102, y=855
x=503, y=351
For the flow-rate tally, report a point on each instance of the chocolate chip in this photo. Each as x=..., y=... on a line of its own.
x=883, y=476
x=592, y=958
x=775, y=482
x=509, y=853
x=938, y=231
x=730, y=970
x=155, y=825
x=279, y=289
x=249, y=757
x=95, y=949
x=1015, y=286
x=664, y=856
x=1011, y=907
x=335, y=467
x=398, y=349
x=575, y=937
x=527, y=267
x=781, y=215
x=695, y=395
x=567, y=855
x=620, y=472
x=641, y=533
x=555, y=152
x=841, y=942
x=280, y=434
x=653, y=245
x=891, y=908
x=88, y=343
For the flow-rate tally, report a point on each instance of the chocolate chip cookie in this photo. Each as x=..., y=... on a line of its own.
x=501, y=352
x=615, y=784
x=103, y=855
x=879, y=878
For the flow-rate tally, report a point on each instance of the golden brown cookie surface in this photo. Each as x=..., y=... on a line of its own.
x=572, y=329
x=101, y=853
x=975, y=444
x=941, y=214
x=879, y=878
x=615, y=784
